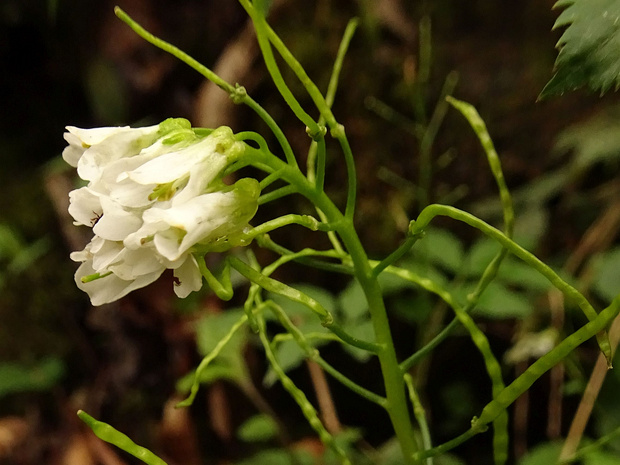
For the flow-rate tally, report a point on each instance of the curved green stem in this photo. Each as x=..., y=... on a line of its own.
x=394, y=256
x=265, y=35
x=298, y=395
x=223, y=289
x=111, y=435
x=500, y=425
x=306, y=221
x=420, y=415
x=237, y=93
x=569, y=291
x=280, y=288
x=262, y=35
x=276, y=194
x=511, y=392
x=332, y=87
x=269, y=34
x=209, y=358
x=314, y=355
x=393, y=381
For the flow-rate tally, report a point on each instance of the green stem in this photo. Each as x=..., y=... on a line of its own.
x=420, y=415
x=511, y=392
x=111, y=435
x=223, y=289
x=237, y=93
x=262, y=35
x=426, y=144
x=306, y=221
x=313, y=354
x=265, y=35
x=209, y=358
x=298, y=395
x=397, y=406
x=276, y=194
x=331, y=95
x=569, y=291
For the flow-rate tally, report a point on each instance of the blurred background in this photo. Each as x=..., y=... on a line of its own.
x=69, y=62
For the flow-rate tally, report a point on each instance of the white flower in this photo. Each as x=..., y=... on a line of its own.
x=199, y=221
x=154, y=197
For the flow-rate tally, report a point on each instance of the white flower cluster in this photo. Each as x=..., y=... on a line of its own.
x=154, y=196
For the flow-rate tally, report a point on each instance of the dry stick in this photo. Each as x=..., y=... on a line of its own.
x=520, y=416
x=580, y=420
x=556, y=374
x=324, y=397
x=597, y=237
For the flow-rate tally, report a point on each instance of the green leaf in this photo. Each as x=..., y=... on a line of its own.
x=20, y=378
x=10, y=242
x=499, y=302
x=589, y=47
x=210, y=330
x=352, y=302
x=257, y=429
x=530, y=225
x=542, y=455
x=362, y=330
x=207, y=376
x=289, y=355
x=480, y=255
x=519, y=274
x=442, y=248
x=607, y=271
x=596, y=140
x=414, y=309
x=600, y=457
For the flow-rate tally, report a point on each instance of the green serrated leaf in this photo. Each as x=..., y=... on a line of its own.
x=589, y=47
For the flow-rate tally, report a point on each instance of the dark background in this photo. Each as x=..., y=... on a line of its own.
x=70, y=62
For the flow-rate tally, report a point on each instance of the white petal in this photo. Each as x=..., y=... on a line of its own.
x=116, y=223
x=189, y=278
x=123, y=143
x=200, y=176
x=108, y=253
x=85, y=206
x=72, y=152
x=95, y=135
x=168, y=243
x=110, y=288
x=136, y=263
